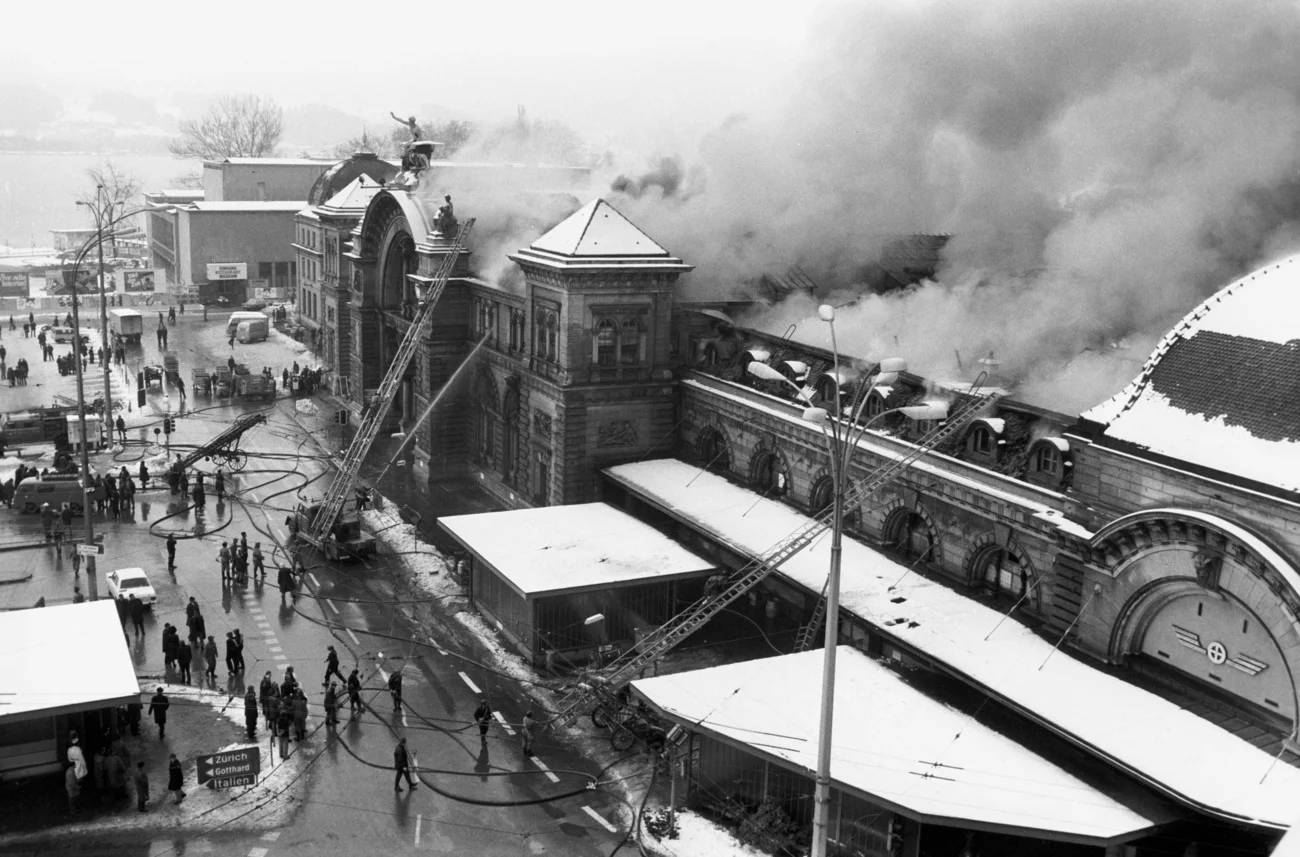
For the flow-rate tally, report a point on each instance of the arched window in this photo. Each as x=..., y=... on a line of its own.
x=875, y=405
x=485, y=435
x=1047, y=459
x=546, y=331
x=1001, y=572
x=713, y=449
x=769, y=476
x=606, y=342
x=631, y=344
x=981, y=440
x=823, y=495
x=909, y=533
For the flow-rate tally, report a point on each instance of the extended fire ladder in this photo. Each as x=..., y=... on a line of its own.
x=675, y=630
x=337, y=495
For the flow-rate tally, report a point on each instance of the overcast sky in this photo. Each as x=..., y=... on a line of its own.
x=609, y=68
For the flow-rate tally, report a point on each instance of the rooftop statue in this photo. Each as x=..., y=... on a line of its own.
x=416, y=134
x=445, y=220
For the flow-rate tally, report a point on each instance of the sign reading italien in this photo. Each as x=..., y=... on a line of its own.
x=230, y=769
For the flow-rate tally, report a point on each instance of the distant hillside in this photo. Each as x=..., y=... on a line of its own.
x=316, y=126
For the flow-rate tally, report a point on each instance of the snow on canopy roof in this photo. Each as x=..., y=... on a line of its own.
x=1222, y=388
x=565, y=548
x=94, y=667
x=597, y=235
x=1069, y=696
x=353, y=197
x=888, y=738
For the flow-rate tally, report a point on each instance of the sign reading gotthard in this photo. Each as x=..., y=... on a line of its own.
x=230, y=769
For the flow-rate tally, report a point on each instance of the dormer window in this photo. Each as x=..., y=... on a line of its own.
x=982, y=440
x=1047, y=460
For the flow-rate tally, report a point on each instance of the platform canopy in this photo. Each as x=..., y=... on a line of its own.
x=896, y=747
x=561, y=549
x=57, y=660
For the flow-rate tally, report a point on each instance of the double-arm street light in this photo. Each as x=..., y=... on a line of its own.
x=842, y=433
x=92, y=582
x=102, y=209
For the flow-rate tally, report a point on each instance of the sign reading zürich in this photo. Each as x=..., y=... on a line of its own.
x=230, y=769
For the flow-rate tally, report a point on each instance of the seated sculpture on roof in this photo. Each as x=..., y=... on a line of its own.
x=445, y=219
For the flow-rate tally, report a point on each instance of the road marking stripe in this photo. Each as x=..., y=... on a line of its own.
x=271, y=837
x=275, y=649
x=279, y=657
x=440, y=649
x=314, y=581
x=263, y=624
x=353, y=636
x=282, y=666
x=382, y=673
x=539, y=763
x=611, y=828
x=257, y=852
x=419, y=820
x=472, y=686
x=331, y=604
x=268, y=633
x=502, y=721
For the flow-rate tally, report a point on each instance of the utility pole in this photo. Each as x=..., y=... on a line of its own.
x=103, y=306
x=92, y=582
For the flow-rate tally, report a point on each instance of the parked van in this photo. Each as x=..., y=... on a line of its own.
x=236, y=318
x=55, y=490
x=252, y=331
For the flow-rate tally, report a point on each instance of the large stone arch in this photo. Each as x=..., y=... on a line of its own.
x=713, y=448
x=1207, y=598
x=902, y=524
x=769, y=471
x=1012, y=559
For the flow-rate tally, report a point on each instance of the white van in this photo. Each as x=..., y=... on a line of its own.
x=252, y=331
x=237, y=318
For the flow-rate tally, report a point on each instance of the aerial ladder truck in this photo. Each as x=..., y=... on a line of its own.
x=330, y=526
x=654, y=646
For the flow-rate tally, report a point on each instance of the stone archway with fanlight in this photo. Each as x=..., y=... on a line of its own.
x=1201, y=596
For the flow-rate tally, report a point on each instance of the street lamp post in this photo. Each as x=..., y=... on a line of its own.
x=100, y=209
x=841, y=440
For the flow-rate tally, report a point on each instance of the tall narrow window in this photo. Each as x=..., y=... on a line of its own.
x=632, y=342
x=605, y=342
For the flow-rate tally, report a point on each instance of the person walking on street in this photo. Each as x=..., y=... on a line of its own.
x=184, y=655
x=354, y=694
x=299, y=715
x=144, y=477
x=137, y=613
x=221, y=484
x=158, y=708
x=259, y=567
x=395, y=688
x=483, y=717
x=239, y=651
x=401, y=763
x=141, y=787
x=264, y=697
x=331, y=706
x=250, y=712
x=171, y=549
x=121, y=425
x=210, y=656
x=332, y=667
x=286, y=584
x=171, y=643
x=175, y=777
x=526, y=732
x=230, y=652
x=223, y=557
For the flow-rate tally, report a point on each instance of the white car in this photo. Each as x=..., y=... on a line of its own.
x=132, y=581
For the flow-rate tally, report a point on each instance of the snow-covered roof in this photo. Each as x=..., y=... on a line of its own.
x=245, y=205
x=352, y=198
x=1222, y=388
x=1068, y=695
x=595, y=236
x=897, y=746
x=567, y=548
x=60, y=659
x=997, y=425
x=273, y=162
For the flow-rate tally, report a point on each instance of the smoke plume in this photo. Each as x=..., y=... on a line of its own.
x=1101, y=165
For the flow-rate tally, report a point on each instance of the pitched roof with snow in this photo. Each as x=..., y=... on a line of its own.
x=598, y=236
x=352, y=199
x=1222, y=389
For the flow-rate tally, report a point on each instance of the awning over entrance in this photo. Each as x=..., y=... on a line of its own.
x=1172, y=749
x=55, y=660
x=559, y=549
x=898, y=748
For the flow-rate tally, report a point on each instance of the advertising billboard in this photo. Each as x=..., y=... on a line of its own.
x=13, y=284
x=135, y=282
x=228, y=271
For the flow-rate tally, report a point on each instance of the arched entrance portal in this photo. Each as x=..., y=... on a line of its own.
x=909, y=533
x=1199, y=597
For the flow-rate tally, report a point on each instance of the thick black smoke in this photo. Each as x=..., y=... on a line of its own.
x=1101, y=165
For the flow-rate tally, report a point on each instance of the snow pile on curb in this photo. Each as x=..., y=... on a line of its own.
x=699, y=837
x=507, y=661
x=306, y=407
x=427, y=567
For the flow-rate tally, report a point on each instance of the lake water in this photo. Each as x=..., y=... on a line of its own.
x=38, y=190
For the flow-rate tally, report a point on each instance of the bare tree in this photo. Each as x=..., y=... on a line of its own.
x=237, y=126
x=112, y=191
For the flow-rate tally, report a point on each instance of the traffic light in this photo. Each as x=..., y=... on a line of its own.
x=167, y=425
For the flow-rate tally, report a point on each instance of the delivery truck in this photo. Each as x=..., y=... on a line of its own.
x=126, y=324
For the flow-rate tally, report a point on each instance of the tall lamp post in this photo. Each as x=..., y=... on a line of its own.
x=842, y=436
x=92, y=581
x=102, y=209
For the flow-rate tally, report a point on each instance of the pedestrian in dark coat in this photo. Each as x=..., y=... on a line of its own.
x=526, y=732
x=258, y=564
x=171, y=643
x=137, y=613
x=144, y=479
x=250, y=712
x=134, y=714
x=395, y=688
x=210, y=656
x=401, y=764
x=184, y=655
x=230, y=652
x=158, y=708
x=332, y=667
x=483, y=717
x=283, y=723
x=141, y=787
x=175, y=777
x=115, y=774
x=286, y=583
x=171, y=547
x=221, y=485
x=299, y=715
x=264, y=697
x=331, y=705
x=354, y=693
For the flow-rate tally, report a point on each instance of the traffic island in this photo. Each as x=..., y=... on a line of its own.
x=200, y=723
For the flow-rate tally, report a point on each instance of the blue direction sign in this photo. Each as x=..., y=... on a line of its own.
x=230, y=769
